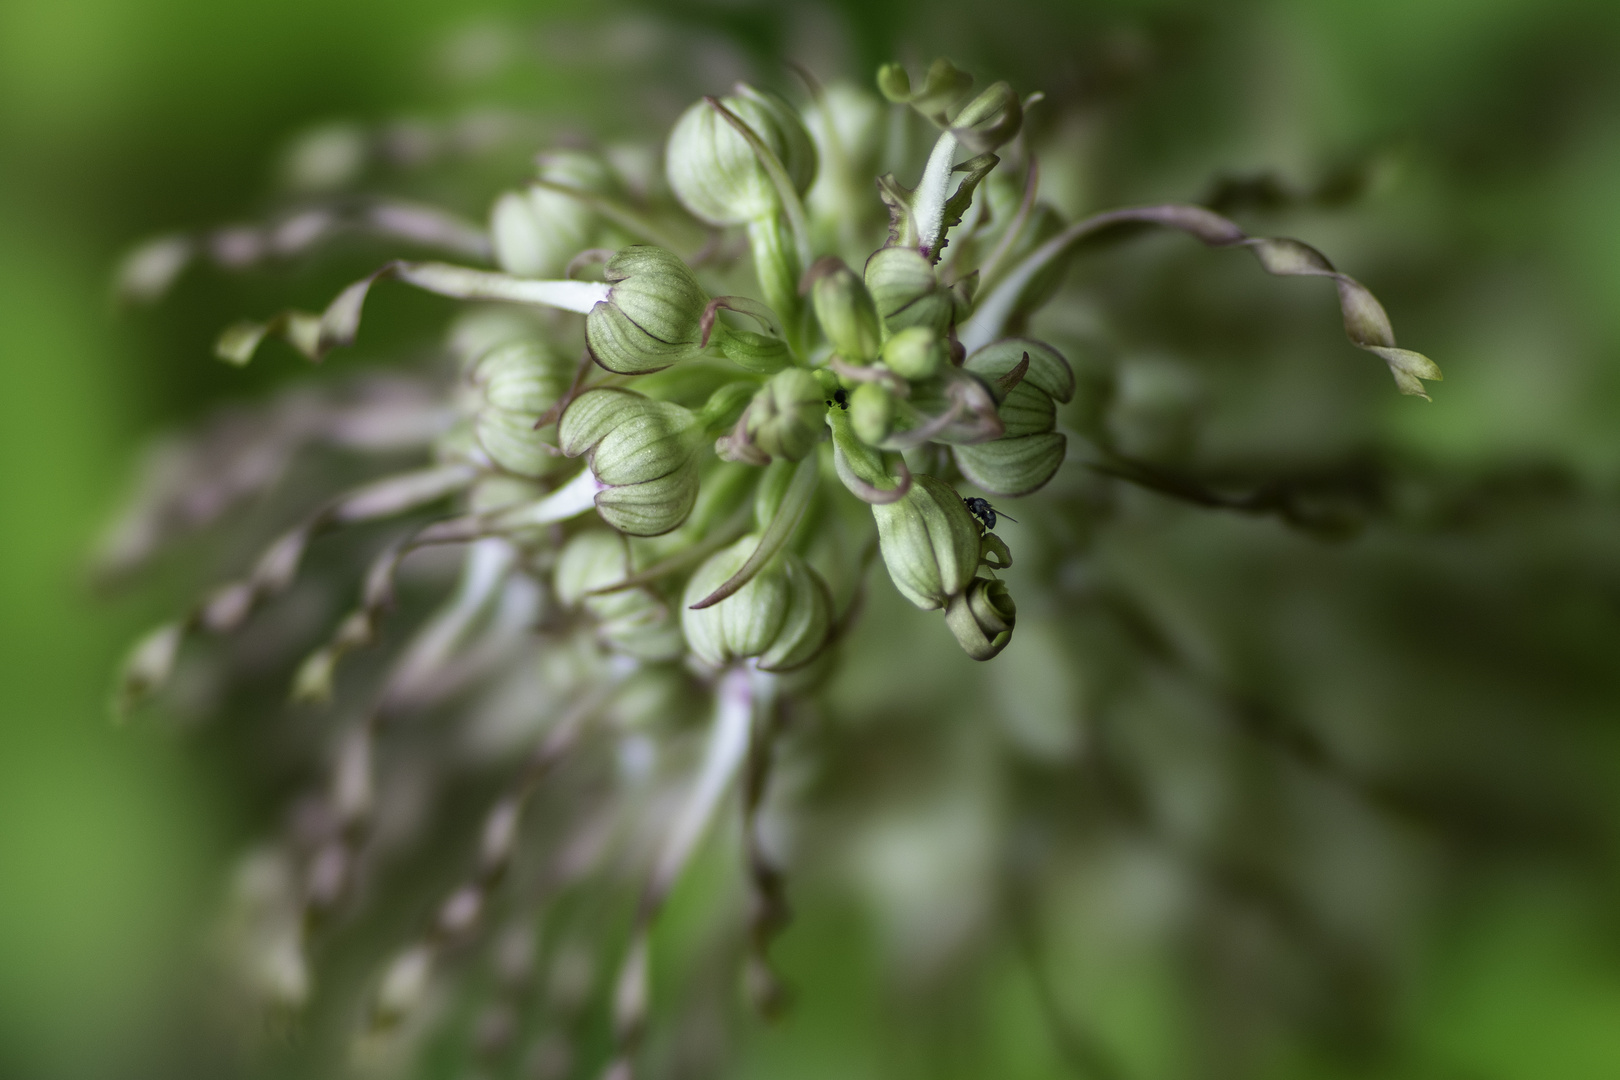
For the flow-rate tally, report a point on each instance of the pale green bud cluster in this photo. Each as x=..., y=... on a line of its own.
x=786, y=419
x=766, y=381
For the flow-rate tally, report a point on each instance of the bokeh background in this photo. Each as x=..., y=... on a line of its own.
x=1448, y=624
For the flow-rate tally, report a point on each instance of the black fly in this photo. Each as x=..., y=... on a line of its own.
x=981, y=509
x=840, y=398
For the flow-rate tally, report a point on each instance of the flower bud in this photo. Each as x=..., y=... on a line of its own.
x=631, y=621
x=517, y=383
x=845, y=310
x=786, y=417
x=653, y=316
x=982, y=617
x=725, y=406
x=537, y=231
x=782, y=617
x=1015, y=466
x=846, y=124
x=1029, y=453
x=930, y=542
x=871, y=412
x=715, y=173
x=1047, y=371
x=906, y=291
x=641, y=451
x=914, y=353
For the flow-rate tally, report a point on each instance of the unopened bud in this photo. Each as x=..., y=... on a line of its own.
x=1047, y=370
x=906, y=291
x=631, y=621
x=1029, y=452
x=845, y=310
x=786, y=417
x=518, y=382
x=914, y=353
x=930, y=542
x=653, y=316
x=781, y=618
x=641, y=451
x=150, y=663
x=716, y=174
x=982, y=617
x=404, y=986
x=725, y=406
x=871, y=412
x=537, y=231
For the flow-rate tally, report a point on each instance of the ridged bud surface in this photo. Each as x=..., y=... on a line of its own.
x=653, y=315
x=906, y=291
x=781, y=618
x=642, y=450
x=929, y=541
x=517, y=383
x=1029, y=452
x=716, y=174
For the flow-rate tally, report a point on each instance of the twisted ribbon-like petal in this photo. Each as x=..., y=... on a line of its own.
x=1365, y=322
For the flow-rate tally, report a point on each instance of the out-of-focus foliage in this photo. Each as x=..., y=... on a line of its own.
x=1303, y=761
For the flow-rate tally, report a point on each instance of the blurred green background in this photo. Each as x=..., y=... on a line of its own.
x=1492, y=234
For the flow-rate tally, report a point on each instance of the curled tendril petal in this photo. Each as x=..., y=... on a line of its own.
x=463, y=907
x=794, y=503
x=225, y=608
x=991, y=266
x=1365, y=322
x=870, y=373
x=150, y=270
x=487, y=567
x=736, y=699
x=316, y=335
x=990, y=120
x=943, y=86
x=994, y=553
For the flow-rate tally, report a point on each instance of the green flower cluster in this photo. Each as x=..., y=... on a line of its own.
x=690, y=441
